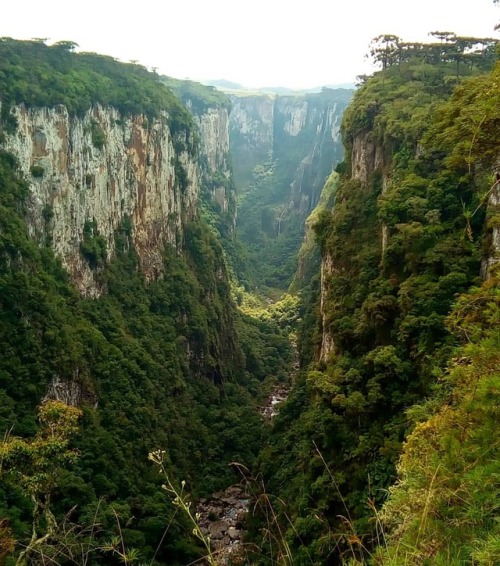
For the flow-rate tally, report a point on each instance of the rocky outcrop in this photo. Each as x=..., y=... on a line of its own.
x=366, y=157
x=327, y=342
x=70, y=391
x=104, y=170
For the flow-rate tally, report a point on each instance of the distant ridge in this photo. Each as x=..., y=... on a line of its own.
x=229, y=86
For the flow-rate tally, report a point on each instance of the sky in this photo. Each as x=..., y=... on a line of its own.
x=257, y=43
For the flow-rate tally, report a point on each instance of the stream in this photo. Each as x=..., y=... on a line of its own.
x=223, y=514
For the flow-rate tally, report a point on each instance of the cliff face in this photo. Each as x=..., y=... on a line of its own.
x=367, y=158
x=284, y=148
x=210, y=110
x=217, y=180
x=103, y=170
x=251, y=127
x=300, y=134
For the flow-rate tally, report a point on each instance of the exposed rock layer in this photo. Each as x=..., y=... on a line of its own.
x=104, y=169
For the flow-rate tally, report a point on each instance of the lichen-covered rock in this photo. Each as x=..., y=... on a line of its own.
x=104, y=169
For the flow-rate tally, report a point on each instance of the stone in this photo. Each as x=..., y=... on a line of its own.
x=217, y=529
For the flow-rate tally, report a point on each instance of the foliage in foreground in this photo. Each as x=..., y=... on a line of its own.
x=444, y=507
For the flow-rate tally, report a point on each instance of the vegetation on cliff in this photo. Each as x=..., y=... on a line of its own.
x=166, y=364
x=199, y=97
x=36, y=75
x=386, y=451
x=406, y=236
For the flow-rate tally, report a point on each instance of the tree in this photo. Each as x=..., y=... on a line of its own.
x=36, y=464
x=384, y=49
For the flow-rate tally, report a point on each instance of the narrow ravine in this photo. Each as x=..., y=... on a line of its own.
x=222, y=516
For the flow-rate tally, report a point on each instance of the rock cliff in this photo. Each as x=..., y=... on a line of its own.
x=210, y=110
x=367, y=159
x=284, y=148
x=301, y=134
x=216, y=172
x=89, y=176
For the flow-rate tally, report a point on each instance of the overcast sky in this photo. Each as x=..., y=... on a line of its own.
x=294, y=43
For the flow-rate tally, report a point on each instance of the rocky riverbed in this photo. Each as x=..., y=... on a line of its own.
x=223, y=514
x=222, y=518
x=271, y=408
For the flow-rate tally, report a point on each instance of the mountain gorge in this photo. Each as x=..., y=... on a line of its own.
x=412, y=227
x=116, y=299
x=137, y=212
x=283, y=148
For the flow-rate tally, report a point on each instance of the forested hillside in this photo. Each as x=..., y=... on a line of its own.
x=414, y=225
x=162, y=362
x=122, y=345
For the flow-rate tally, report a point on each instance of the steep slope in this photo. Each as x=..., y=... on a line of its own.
x=407, y=232
x=210, y=109
x=100, y=187
x=88, y=175
x=283, y=149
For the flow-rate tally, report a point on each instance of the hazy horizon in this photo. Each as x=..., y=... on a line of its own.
x=262, y=44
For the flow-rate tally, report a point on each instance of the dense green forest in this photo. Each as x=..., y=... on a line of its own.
x=405, y=237
x=385, y=452
x=167, y=364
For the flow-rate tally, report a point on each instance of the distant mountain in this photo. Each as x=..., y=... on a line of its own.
x=348, y=86
x=225, y=85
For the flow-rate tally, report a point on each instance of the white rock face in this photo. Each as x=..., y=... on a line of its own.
x=296, y=117
x=214, y=129
x=253, y=116
x=75, y=180
x=213, y=125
